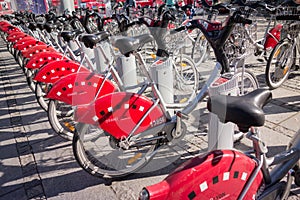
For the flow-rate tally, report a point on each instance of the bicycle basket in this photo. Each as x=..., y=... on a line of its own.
x=289, y=17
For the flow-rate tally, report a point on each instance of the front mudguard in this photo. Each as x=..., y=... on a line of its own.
x=220, y=174
x=53, y=71
x=119, y=113
x=80, y=88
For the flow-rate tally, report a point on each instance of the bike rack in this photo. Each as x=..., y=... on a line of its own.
x=226, y=85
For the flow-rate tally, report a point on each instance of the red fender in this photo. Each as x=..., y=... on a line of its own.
x=12, y=30
x=53, y=71
x=37, y=49
x=80, y=88
x=27, y=43
x=4, y=23
x=6, y=28
x=273, y=37
x=11, y=37
x=43, y=58
x=16, y=39
x=118, y=113
x=219, y=174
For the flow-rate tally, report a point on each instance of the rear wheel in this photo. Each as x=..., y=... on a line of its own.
x=100, y=154
x=247, y=82
x=280, y=63
x=200, y=50
x=186, y=79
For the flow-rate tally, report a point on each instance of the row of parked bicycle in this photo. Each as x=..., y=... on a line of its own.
x=119, y=110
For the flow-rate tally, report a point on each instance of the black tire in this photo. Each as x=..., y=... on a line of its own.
x=280, y=63
x=97, y=153
x=29, y=78
x=247, y=82
x=61, y=119
x=186, y=79
x=200, y=50
x=40, y=92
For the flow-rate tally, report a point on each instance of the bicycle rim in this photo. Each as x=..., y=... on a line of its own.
x=186, y=79
x=61, y=118
x=29, y=78
x=40, y=91
x=279, y=65
x=200, y=51
x=98, y=153
x=247, y=82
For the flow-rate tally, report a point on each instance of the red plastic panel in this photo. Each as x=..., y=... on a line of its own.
x=37, y=49
x=12, y=30
x=80, y=88
x=221, y=174
x=273, y=37
x=13, y=36
x=41, y=59
x=27, y=43
x=53, y=71
x=21, y=38
x=118, y=113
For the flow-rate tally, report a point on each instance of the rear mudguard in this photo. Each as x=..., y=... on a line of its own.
x=220, y=174
x=8, y=28
x=14, y=40
x=273, y=37
x=15, y=36
x=37, y=49
x=53, y=71
x=27, y=43
x=38, y=60
x=80, y=88
x=118, y=113
x=12, y=30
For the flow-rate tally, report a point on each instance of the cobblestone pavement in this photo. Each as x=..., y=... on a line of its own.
x=35, y=163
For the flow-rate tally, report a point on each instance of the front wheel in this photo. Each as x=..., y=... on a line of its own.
x=281, y=60
x=100, y=154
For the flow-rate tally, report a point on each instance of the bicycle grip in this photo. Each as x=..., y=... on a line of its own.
x=242, y=20
x=288, y=17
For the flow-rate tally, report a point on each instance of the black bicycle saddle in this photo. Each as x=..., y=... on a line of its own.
x=245, y=111
x=126, y=45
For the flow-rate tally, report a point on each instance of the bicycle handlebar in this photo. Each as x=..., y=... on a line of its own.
x=288, y=17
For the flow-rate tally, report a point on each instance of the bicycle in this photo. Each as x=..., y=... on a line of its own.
x=229, y=173
x=119, y=133
x=185, y=82
x=282, y=60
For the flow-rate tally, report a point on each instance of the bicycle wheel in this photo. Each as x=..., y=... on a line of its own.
x=61, y=119
x=200, y=50
x=29, y=78
x=100, y=154
x=186, y=79
x=280, y=62
x=247, y=81
x=41, y=90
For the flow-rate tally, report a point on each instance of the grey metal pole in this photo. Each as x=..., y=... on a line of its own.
x=14, y=5
x=67, y=5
